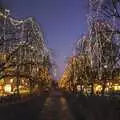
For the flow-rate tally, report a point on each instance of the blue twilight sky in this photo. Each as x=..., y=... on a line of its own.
x=63, y=21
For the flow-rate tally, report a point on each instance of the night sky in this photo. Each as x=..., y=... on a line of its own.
x=63, y=21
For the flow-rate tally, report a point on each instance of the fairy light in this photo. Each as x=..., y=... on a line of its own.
x=93, y=43
x=27, y=43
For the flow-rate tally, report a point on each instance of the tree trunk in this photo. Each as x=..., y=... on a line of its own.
x=103, y=89
x=92, y=88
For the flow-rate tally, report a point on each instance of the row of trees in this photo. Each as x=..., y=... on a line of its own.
x=97, y=55
x=23, y=53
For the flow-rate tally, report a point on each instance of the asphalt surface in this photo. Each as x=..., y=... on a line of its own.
x=56, y=108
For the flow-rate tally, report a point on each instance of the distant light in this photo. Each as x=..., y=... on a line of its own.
x=32, y=47
x=7, y=88
x=78, y=88
x=11, y=80
x=23, y=42
x=23, y=81
x=115, y=87
x=6, y=10
x=26, y=83
x=98, y=88
x=105, y=66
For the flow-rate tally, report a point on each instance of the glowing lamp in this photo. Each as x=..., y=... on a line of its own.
x=98, y=88
x=105, y=66
x=7, y=88
x=11, y=80
x=78, y=88
x=115, y=87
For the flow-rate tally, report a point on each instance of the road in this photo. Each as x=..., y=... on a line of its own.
x=56, y=108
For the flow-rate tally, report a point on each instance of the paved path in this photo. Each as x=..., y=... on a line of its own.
x=56, y=108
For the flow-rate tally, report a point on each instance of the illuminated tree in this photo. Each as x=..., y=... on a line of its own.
x=22, y=50
x=104, y=37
